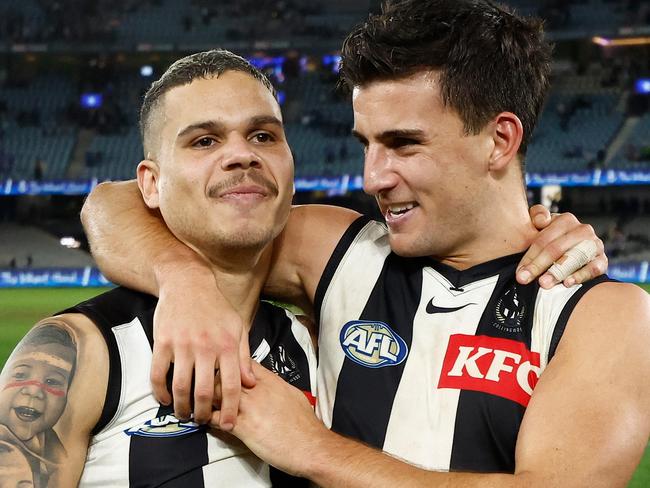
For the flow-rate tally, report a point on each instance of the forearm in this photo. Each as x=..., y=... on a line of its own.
x=130, y=242
x=338, y=462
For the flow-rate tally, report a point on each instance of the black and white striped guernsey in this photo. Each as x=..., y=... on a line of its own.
x=431, y=364
x=139, y=443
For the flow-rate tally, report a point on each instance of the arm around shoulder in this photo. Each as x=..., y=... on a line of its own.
x=130, y=242
x=52, y=391
x=303, y=249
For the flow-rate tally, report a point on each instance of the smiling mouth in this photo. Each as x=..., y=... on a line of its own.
x=27, y=414
x=396, y=211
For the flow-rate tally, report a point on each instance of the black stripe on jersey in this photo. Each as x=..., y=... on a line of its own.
x=482, y=440
x=155, y=461
x=341, y=248
x=106, y=311
x=563, y=319
x=365, y=396
x=286, y=358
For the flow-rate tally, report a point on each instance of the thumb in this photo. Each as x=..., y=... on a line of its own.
x=540, y=216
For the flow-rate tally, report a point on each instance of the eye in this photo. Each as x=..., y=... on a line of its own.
x=402, y=142
x=263, y=137
x=54, y=382
x=21, y=373
x=204, y=142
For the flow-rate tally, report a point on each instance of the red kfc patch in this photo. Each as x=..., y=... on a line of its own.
x=501, y=367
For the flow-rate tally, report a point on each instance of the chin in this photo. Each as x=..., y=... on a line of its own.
x=410, y=247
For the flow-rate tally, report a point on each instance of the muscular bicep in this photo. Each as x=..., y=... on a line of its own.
x=587, y=423
x=303, y=249
x=129, y=241
x=52, y=389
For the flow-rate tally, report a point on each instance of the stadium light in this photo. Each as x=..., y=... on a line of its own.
x=70, y=242
x=146, y=70
x=627, y=41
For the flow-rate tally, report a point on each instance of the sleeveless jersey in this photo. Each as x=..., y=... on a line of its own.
x=428, y=363
x=139, y=443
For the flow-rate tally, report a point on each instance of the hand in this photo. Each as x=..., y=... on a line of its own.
x=198, y=331
x=558, y=233
x=277, y=423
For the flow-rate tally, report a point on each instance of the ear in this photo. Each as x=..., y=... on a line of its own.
x=507, y=133
x=148, y=174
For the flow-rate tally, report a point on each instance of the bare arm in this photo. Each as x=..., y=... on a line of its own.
x=586, y=425
x=133, y=247
x=128, y=240
x=52, y=391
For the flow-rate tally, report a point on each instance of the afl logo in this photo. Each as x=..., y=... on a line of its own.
x=165, y=426
x=372, y=344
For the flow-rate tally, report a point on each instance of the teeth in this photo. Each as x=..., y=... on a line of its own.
x=27, y=413
x=400, y=209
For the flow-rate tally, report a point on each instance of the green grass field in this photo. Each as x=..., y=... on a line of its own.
x=21, y=308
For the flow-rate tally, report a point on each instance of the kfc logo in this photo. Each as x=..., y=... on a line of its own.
x=500, y=367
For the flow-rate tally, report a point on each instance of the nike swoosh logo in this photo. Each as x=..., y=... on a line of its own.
x=431, y=308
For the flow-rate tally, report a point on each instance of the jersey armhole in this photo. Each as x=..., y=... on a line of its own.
x=113, y=388
x=567, y=310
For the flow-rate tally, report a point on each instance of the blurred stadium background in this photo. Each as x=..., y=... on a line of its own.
x=72, y=73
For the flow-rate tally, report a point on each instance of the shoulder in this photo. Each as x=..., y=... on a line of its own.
x=610, y=316
x=52, y=391
x=615, y=301
x=64, y=356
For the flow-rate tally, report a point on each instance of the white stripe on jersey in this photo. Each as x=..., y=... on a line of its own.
x=407, y=429
x=110, y=467
x=546, y=315
x=343, y=302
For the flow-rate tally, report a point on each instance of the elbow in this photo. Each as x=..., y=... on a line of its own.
x=94, y=203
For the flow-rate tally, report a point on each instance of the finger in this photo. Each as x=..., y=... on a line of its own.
x=576, y=258
x=230, y=387
x=247, y=376
x=160, y=361
x=182, y=386
x=594, y=269
x=551, y=244
x=540, y=216
x=204, y=378
x=215, y=419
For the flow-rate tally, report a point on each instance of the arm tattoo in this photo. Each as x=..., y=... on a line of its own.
x=34, y=388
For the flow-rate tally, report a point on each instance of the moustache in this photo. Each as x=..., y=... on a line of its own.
x=222, y=186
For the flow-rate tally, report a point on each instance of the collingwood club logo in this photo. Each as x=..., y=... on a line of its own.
x=372, y=344
x=283, y=365
x=509, y=312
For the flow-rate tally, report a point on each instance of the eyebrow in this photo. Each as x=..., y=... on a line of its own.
x=217, y=127
x=391, y=134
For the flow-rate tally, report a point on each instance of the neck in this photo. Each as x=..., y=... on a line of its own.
x=502, y=228
x=240, y=275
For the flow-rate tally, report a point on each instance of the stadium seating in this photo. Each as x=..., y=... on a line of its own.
x=26, y=246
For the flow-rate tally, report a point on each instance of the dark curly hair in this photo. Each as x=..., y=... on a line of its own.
x=489, y=59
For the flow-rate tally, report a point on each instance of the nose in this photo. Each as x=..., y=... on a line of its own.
x=238, y=153
x=33, y=390
x=378, y=176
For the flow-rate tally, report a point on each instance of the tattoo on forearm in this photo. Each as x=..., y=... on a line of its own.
x=34, y=388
